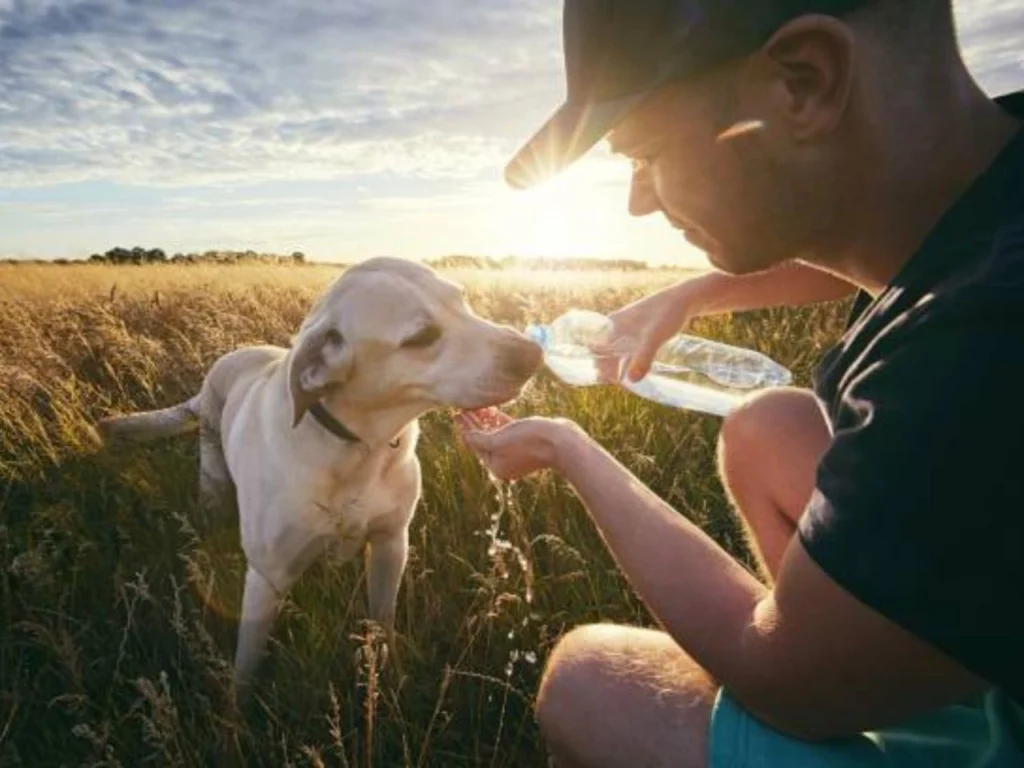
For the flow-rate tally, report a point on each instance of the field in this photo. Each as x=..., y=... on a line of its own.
x=117, y=610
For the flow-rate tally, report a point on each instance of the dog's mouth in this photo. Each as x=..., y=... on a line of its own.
x=497, y=399
x=485, y=418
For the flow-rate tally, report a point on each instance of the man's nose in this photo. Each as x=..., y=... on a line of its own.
x=642, y=199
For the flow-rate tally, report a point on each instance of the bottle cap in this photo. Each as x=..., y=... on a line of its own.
x=538, y=334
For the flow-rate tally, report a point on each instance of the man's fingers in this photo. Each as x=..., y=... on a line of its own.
x=476, y=434
x=614, y=355
x=497, y=419
x=615, y=346
x=640, y=363
x=478, y=440
x=464, y=421
x=608, y=368
x=484, y=418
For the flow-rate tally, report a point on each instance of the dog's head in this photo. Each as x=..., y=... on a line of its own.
x=391, y=332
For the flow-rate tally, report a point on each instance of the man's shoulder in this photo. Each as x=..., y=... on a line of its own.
x=910, y=335
x=983, y=295
x=987, y=276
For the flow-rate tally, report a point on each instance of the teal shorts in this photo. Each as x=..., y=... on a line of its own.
x=989, y=734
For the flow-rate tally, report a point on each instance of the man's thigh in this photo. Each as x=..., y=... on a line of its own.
x=968, y=735
x=615, y=696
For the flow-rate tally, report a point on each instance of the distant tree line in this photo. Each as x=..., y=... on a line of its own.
x=139, y=255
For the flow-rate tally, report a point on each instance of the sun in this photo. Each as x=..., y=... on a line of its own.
x=573, y=215
x=581, y=213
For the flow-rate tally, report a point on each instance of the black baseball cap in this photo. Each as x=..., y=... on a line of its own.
x=617, y=52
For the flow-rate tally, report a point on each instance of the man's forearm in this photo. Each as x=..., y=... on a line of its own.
x=789, y=285
x=703, y=598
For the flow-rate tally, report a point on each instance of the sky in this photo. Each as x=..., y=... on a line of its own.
x=341, y=128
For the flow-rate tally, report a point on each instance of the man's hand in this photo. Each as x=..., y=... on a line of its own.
x=512, y=449
x=639, y=329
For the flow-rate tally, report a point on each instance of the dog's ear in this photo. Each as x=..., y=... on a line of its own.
x=319, y=360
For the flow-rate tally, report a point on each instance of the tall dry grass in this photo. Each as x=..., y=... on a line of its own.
x=118, y=608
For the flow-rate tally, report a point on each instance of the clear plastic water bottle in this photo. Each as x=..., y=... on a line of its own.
x=687, y=372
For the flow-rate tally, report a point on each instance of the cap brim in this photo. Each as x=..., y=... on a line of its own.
x=567, y=135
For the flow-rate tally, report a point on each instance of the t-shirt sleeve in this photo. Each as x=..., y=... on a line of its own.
x=918, y=509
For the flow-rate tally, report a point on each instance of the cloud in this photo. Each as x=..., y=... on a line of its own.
x=990, y=34
x=340, y=127
x=188, y=91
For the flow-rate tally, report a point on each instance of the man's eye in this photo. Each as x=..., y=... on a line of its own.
x=423, y=338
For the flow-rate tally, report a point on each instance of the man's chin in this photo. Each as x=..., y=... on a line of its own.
x=698, y=239
x=720, y=260
x=733, y=261
x=715, y=253
x=726, y=260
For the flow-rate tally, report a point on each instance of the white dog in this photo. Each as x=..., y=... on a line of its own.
x=316, y=444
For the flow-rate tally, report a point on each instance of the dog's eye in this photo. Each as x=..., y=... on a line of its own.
x=423, y=338
x=334, y=337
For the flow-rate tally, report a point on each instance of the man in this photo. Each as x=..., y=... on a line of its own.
x=811, y=149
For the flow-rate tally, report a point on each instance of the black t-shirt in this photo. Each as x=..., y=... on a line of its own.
x=918, y=509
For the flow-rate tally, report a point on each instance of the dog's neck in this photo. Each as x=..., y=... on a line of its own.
x=320, y=413
x=374, y=429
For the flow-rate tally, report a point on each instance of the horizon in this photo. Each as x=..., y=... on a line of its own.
x=338, y=132
x=227, y=258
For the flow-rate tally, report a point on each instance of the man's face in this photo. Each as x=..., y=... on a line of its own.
x=740, y=195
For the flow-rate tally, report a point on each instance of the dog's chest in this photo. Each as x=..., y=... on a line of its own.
x=350, y=507
x=350, y=512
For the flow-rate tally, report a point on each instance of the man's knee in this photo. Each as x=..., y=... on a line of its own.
x=787, y=420
x=663, y=698
x=570, y=671
x=752, y=426
x=583, y=672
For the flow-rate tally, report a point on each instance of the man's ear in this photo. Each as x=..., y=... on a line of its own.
x=319, y=360
x=808, y=66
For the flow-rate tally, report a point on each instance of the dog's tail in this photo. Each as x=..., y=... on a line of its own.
x=151, y=425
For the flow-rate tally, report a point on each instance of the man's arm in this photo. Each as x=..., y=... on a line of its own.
x=807, y=658
x=788, y=285
x=649, y=322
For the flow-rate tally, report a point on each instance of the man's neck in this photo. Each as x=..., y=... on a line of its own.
x=910, y=179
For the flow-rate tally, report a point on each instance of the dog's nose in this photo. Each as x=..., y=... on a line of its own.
x=524, y=359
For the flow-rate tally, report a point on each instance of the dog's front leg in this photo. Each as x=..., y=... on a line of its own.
x=388, y=555
x=260, y=603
